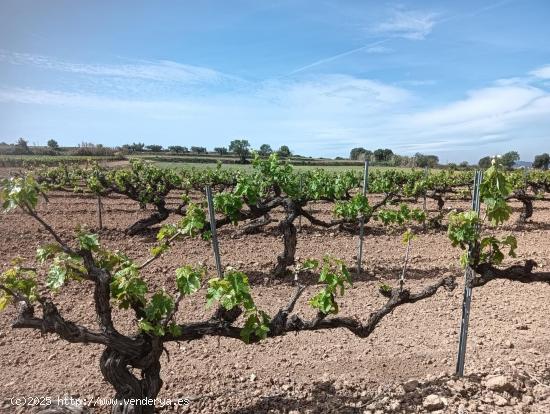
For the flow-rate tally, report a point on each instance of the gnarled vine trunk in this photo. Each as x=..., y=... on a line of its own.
x=157, y=217
x=527, y=204
x=288, y=230
x=133, y=395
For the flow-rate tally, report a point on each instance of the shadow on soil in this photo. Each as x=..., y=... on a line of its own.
x=311, y=278
x=323, y=399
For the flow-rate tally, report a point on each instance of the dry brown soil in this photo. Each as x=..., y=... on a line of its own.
x=316, y=372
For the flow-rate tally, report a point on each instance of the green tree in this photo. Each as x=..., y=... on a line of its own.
x=198, y=150
x=154, y=148
x=509, y=159
x=355, y=153
x=382, y=155
x=177, y=149
x=135, y=147
x=284, y=152
x=221, y=150
x=22, y=147
x=240, y=147
x=422, y=160
x=52, y=143
x=542, y=161
x=485, y=162
x=265, y=150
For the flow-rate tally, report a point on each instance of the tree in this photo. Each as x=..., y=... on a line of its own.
x=240, y=147
x=265, y=150
x=22, y=147
x=542, y=161
x=382, y=155
x=134, y=147
x=485, y=162
x=52, y=143
x=367, y=155
x=463, y=164
x=284, y=152
x=509, y=159
x=221, y=150
x=154, y=148
x=177, y=149
x=423, y=161
x=396, y=160
x=198, y=150
x=355, y=153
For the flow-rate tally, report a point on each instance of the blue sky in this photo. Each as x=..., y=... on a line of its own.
x=457, y=79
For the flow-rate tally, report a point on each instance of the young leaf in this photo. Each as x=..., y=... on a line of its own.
x=188, y=279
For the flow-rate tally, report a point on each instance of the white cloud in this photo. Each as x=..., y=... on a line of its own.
x=333, y=90
x=89, y=101
x=542, y=72
x=162, y=70
x=409, y=24
x=522, y=81
x=316, y=115
x=481, y=104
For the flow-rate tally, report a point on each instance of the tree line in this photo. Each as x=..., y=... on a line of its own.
x=385, y=156
x=238, y=147
x=242, y=149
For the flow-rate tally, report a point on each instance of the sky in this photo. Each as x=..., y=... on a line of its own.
x=457, y=79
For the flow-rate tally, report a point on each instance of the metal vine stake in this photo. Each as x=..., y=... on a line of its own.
x=215, y=245
x=468, y=288
x=362, y=219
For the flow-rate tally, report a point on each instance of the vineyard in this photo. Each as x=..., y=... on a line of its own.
x=110, y=287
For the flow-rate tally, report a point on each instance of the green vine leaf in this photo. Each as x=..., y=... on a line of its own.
x=188, y=279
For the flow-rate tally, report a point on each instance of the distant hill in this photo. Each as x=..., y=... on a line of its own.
x=523, y=164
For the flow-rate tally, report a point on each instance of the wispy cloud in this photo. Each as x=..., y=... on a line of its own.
x=408, y=24
x=162, y=70
x=152, y=109
x=486, y=119
x=325, y=115
x=484, y=103
x=336, y=90
x=542, y=72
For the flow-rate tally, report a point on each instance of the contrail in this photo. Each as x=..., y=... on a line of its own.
x=350, y=52
x=338, y=56
x=478, y=11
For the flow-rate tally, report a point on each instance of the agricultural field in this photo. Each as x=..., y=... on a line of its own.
x=248, y=167
x=13, y=161
x=124, y=299
x=231, y=162
x=174, y=161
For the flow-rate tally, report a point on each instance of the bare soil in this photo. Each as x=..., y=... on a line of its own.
x=310, y=372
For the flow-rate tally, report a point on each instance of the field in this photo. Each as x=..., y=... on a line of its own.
x=305, y=372
x=178, y=161
x=248, y=167
x=201, y=162
x=32, y=160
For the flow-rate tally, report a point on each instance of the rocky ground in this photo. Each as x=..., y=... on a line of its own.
x=406, y=365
